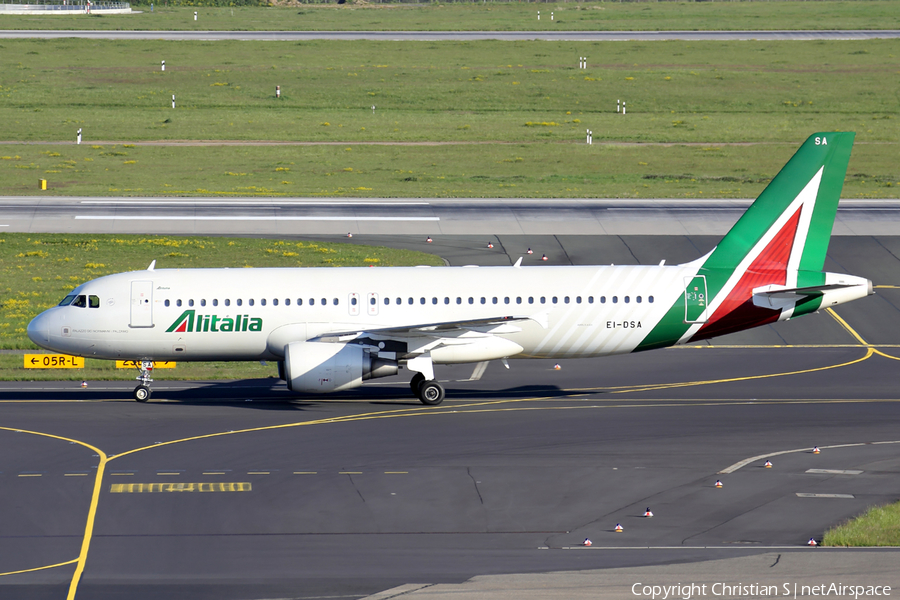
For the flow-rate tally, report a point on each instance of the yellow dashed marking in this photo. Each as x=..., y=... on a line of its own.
x=165, y=473
x=305, y=472
x=29, y=474
x=396, y=472
x=258, y=473
x=214, y=473
x=349, y=472
x=137, y=488
x=120, y=474
x=76, y=474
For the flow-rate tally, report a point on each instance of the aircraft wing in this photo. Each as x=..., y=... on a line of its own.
x=486, y=325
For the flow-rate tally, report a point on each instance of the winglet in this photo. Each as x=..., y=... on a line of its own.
x=152, y=265
x=518, y=263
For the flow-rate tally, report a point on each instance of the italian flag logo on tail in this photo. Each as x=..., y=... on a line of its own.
x=775, y=251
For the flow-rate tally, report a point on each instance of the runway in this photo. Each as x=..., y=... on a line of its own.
x=424, y=216
x=238, y=490
x=435, y=36
x=368, y=491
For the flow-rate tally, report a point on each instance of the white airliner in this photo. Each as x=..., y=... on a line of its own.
x=333, y=328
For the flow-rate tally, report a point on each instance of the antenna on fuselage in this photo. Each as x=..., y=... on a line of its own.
x=152, y=265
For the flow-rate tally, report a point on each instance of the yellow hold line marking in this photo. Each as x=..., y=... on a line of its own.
x=62, y=564
x=219, y=486
x=846, y=326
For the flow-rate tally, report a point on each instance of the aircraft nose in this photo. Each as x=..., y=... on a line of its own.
x=39, y=330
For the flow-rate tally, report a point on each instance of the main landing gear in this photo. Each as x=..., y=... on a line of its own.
x=142, y=391
x=428, y=391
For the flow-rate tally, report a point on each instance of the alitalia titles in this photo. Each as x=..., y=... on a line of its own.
x=191, y=322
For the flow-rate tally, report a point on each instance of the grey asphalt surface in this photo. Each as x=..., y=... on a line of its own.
x=371, y=216
x=502, y=483
x=568, y=36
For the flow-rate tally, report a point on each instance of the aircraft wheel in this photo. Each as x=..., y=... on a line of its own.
x=431, y=393
x=142, y=393
x=416, y=381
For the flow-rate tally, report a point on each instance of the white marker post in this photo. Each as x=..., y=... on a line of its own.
x=195, y=15
x=539, y=15
x=278, y=91
x=163, y=65
x=618, y=106
x=173, y=100
x=623, y=107
x=373, y=109
x=551, y=16
x=78, y=136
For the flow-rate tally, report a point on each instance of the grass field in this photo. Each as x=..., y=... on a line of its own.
x=879, y=526
x=513, y=116
x=36, y=271
x=599, y=16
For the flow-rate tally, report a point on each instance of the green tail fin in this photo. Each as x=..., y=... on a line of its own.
x=807, y=189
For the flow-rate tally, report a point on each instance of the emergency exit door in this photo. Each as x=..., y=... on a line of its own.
x=142, y=304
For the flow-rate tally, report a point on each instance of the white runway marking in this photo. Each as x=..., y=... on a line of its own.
x=245, y=218
x=255, y=202
x=834, y=471
x=807, y=495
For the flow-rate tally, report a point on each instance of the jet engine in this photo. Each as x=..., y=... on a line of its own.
x=318, y=367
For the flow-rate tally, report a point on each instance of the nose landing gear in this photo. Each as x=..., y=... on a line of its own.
x=142, y=391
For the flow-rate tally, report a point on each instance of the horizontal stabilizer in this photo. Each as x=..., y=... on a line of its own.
x=776, y=296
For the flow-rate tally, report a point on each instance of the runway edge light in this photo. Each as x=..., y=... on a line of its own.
x=718, y=483
x=768, y=464
x=619, y=528
x=587, y=542
x=816, y=450
x=812, y=542
x=648, y=512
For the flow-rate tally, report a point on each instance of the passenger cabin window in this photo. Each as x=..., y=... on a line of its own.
x=67, y=300
x=335, y=301
x=167, y=302
x=312, y=301
x=228, y=302
x=261, y=302
x=627, y=299
x=239, y=302
x=250, y=301
x=650, y=299
x=299, y=301
x=215, y=302
x=274, y=301
x=190, y=302
x=287, y=301
x=615, y=299
x=203, y=302
x=178, y=302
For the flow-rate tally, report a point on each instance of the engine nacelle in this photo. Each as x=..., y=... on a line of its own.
x=318, y=367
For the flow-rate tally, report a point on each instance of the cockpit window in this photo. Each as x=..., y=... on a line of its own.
x=80, y=301
x=94, y=301
x=67, y=300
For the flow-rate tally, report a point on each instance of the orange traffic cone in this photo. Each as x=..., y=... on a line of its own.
x=647, y=512
x=490, y=245
x=718, y=483
x=816, y=450
x=530, y=251
x=349, y=235
x=768, y=464
x=812, y=542
x=619, y=528
x=544, y=257
x=556, y=367
x=84, y=384
x=587, y=542
x=428, y=239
